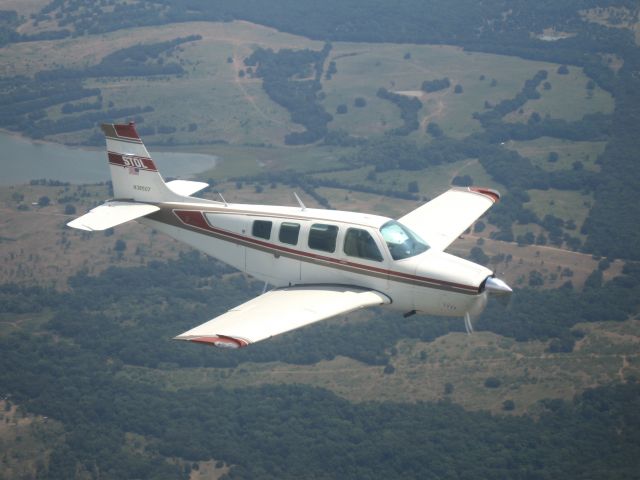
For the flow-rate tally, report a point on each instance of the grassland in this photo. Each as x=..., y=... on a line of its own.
x=37, y=248
x=567, y=205
x=362, y=69
x=235, y=109
x=243, y=160
x=432, y=181
x=26, y=441
x=568, y=153
x=527, y=372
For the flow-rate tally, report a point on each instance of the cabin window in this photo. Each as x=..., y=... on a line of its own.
x=261, y=229
x=402, y=242
x=323, y=237
x=289, y=233
x=359, y=243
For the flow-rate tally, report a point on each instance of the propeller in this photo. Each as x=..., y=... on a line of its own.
x=494, y=287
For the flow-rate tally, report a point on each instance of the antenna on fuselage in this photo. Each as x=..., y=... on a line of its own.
x=223, y=200
x=299, y=201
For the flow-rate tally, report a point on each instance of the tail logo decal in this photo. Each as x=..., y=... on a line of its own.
x=132, y=163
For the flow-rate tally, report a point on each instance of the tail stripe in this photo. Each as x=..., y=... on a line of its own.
x=123, y=133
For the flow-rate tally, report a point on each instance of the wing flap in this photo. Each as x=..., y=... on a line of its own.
x=279, y=311
x=110, y=214
x=447, y=216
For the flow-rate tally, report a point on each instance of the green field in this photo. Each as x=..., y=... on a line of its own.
x=567, y=205
x=568, y=153
x=432, y=180
x=236, y=110
x=362, y=69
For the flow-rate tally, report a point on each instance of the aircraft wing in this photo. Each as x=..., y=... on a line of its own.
x=443, y=219
x=110, y=214
x=279, y=311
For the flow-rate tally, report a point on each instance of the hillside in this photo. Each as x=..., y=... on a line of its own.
x=351, y=112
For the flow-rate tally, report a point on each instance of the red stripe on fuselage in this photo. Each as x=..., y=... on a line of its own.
x=195, y=218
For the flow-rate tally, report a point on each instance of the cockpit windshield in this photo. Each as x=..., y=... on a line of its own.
x=402, y=242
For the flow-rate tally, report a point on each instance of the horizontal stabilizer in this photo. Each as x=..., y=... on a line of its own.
x=279, y=311
x=186, y=188
x=110, y=214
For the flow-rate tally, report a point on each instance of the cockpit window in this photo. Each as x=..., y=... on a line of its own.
x=402, y=242
x=360, y=243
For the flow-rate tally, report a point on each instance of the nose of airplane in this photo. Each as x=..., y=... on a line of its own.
x=496, y=286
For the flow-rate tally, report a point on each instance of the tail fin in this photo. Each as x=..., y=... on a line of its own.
x=136, y=183
x=133, y=173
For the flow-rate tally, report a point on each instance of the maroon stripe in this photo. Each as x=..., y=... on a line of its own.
x=127, y=131
x=494, y=195
x=197, y=219
x=143, y=163
x=220, y=340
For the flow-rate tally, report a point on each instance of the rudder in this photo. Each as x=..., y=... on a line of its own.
x=133, y=172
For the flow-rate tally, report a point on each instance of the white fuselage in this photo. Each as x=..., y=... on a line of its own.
x=287, y=246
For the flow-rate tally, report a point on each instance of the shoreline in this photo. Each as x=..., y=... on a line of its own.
x=188, y=149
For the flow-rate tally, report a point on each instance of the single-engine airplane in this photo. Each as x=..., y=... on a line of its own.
x=320, y=263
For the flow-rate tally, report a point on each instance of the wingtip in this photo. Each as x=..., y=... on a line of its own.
x=494, y=195
x=221, y=341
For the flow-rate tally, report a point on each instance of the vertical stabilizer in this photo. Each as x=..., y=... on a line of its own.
x=133, y=172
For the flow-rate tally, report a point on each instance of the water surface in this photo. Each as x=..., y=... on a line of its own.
x=22, y=160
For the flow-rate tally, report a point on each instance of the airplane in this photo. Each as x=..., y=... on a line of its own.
x=320, y=263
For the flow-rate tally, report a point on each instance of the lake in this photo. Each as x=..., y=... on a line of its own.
x=22, y=160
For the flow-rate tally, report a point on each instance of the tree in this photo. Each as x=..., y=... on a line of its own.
x=359, y=102
x=44, y=201
x=458, y=89
x=462, y=181
x=477, y=255
x=413, y=187
x=492, y=382
x=508, y=405
x=341, y=109
x=69, y=209
x=435, y=85
x=553, y=157
x=120, y=245
x=434, y=130
x=535, y=279
x=563, y=70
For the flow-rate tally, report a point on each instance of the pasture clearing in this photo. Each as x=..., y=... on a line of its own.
x=526, y=372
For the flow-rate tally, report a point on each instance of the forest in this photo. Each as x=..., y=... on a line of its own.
x=70, y=369
x=291, y=78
